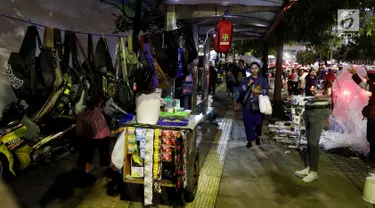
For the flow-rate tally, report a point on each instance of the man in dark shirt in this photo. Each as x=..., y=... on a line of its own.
x=213, y=80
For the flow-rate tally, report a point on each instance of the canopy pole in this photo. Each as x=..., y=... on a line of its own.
x=171, y=24
x=279, y=61
x=194, y=72
x=206, y=74
x=265, y=59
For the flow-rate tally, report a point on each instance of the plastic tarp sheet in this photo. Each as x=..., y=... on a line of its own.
x=347, y=128
x=250, y=59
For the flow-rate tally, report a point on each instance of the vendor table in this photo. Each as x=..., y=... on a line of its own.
x=169, y=149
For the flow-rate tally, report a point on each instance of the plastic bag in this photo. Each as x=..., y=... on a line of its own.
x=265, y=105
x=117, y=156
x=346, y=125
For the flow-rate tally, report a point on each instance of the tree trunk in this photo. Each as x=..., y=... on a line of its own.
x=265, y=59
x=279, y=62
x=137, y=25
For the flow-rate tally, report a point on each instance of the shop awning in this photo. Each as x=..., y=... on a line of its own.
x=252, y=19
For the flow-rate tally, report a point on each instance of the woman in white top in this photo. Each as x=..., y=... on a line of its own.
x=301, y=82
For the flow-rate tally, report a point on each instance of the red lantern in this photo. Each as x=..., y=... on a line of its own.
x=223, y=36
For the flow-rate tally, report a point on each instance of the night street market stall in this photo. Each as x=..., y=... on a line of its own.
x=141, y=85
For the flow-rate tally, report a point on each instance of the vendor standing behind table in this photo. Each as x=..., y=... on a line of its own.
x=250, y=89
x=239, y=75
x=368, y=111
x=311, y=84
x=93, y=132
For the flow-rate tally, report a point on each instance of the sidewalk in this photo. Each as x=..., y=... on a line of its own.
x=231, y=175
x=263, y=177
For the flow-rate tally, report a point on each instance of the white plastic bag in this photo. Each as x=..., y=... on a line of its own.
x=118, y=152
x=265, y=105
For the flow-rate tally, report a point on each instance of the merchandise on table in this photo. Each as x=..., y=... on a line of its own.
x=292, y=131
x=156, y=156
x=148, y=167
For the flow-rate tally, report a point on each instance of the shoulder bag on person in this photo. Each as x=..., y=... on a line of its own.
x=265, y=106
x=245, y=96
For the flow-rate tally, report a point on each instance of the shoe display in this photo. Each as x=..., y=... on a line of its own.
x=312, y=176
x=302, y=173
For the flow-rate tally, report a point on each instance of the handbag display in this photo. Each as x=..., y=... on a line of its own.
x=104, y=67
x=124, y=93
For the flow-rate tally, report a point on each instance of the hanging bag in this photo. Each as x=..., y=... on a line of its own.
x=59, y=100
x=124, y=94
x=104, y=67
x=63, y=93
x=95, y=88
x=88, y=82
x=22, y=67
x=50, y=71
x=146, y=78
x=131, y=58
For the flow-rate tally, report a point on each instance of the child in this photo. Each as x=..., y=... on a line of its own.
x=92, y=130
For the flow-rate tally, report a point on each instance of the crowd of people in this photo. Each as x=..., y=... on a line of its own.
x=244, y=83
x=300, y=83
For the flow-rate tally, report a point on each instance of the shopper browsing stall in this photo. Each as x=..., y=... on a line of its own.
x=93, y=133
x=250, y=89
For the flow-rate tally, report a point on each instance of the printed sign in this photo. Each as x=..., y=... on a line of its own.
x=348, y=20
x=225, y=37
x=15, y=82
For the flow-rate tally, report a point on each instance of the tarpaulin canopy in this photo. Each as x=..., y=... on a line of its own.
x=252, y=19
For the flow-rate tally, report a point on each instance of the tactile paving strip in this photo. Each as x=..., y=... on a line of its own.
x=210, y=174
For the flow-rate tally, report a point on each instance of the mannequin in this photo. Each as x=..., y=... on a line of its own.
x=316, y=112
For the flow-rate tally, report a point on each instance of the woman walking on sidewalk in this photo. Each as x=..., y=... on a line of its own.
x=251, y=88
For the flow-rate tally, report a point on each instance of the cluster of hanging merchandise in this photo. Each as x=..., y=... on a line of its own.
x=58, y=81
x=62, y=78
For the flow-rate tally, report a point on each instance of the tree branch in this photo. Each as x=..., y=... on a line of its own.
x=117, y=7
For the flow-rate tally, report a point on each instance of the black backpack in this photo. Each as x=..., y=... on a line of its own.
x=32, y=78
x=58, y=101
x=104, y=67
x=146, y=76
x=124, y=92
x=92, y=89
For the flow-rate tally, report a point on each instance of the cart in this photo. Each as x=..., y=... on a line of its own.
x=184, y=161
